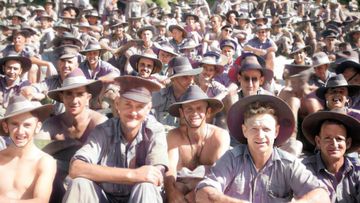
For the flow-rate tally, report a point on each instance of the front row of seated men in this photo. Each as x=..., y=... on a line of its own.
x=129, y=158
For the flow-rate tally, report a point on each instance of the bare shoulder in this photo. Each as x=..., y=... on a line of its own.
x=97, y=118
x=219, y=135
x=46, y=161
x=174, y=137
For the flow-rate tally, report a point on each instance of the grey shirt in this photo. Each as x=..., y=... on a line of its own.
x=106, y=146
x=282, y=178
x=161, y=101
x=347, y=189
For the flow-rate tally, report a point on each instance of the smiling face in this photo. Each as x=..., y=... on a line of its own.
x=66, y=66
x=194, y=113
x=336, y=97
x=92, y=57
x=22, y=128
x=131, y=113
x=209, y=71
x=145, y=67
x=75, y=100
x=146, y=35
x=260, y=130
x=332, y=141
x=12, y=70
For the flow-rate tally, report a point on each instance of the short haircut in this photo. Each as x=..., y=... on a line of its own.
x=258, y=108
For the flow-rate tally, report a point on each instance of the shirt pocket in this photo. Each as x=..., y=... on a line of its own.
x=279, y=193
x=238, y=186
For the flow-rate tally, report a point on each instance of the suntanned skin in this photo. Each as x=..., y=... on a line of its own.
x=132, y=114
x=77, y=118
x=260, y=131
x=26, y=173
x=182, y=153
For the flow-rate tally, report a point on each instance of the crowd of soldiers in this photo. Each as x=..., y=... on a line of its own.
x=127, y=101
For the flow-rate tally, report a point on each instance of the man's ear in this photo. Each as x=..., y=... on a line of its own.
x=5, y=127
x=238, y=77
x=348, y=142
x=262, y=80
x=38, y=127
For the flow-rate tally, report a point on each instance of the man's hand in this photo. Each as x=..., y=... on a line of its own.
x=149, y=174
x=175, y=196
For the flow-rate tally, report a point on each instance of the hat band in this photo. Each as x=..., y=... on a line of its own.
x=75, y=80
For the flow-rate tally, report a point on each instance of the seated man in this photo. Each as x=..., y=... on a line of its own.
x=124, y=158
x=13, y=67
x=193, y=147
x=71, y=128
x=181, y=78
x=26, y=173
x=258, y=171
x=334, y=134
x=145, y=65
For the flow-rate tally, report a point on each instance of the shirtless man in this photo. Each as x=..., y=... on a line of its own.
x=26, y=173
x=193, y=145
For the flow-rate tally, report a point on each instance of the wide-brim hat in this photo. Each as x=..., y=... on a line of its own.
x=295, y=70
x=23, y=32
x=93, y=13
x=19, y=15
x=137, y=88
x=83, y=25
x=25, y=62
x=217, y=62
x=299, y=47
x=73, y=80
x=262, y=27
x=179, y=27
x=312, y=124
x=146, y=27
x=356, y=29
x=66, y=51
x=166, y=47
x=117, y=23
x=193, y=94
x=61, y=25
x=243, y=16
x=228, y=42
x=258, y=16
x=29, y=28
x=330, y=33
x=285, y=117
x=44, y=15
x=250, y=61
x=191, y=14
x=182, y=67
x=346, y=59
x=189, y=44
x=320, y=58
x=93, y=45
x=134, y=59
x=67, y=36
x=335, y=82
x=18, y=104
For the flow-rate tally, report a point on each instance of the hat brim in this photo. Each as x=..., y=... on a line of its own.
x=158, y=47
x=93, y=87
x=307, y=48
x=286, y=119
x=43, y=112
x=135, y=58
x=215, y=105
x=195, y=71
x=83, y=52
x=25, y=62
x=312, y=123
x=57, y=41
x=137, y=82
x=340, y=68
x=171, y=27
x=320, y=92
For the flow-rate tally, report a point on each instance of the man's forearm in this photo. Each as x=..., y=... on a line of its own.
x=99, y=173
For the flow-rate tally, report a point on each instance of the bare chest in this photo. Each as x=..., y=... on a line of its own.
x=18, y=178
